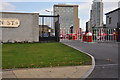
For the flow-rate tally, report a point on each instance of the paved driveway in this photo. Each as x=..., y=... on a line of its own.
x=106, y=57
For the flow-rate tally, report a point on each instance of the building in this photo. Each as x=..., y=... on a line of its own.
x=119, y=12
x=19, y=27
x=96, y=14
x=90, y=20
x=118, y=26
x=44, y=30
x=113, y=21
x=68, y=17
x=87, y=26
x=112, y=18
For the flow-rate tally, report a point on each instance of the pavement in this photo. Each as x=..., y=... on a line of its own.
x=53, y=72
x=105, y=54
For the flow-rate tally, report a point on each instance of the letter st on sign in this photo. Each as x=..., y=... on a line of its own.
x=9, y=22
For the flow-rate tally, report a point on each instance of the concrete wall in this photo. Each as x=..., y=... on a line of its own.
x=114, y=19
x=119, y=15
x=27, y=31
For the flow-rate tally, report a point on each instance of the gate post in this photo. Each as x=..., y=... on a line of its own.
x=57, y=29
x=118, y=32
x=118, y=27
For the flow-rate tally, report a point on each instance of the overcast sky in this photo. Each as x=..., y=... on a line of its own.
x=40, y=7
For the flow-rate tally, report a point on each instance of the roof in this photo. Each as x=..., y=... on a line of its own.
x=16, y=13
x=65, y=5
x=112, y=11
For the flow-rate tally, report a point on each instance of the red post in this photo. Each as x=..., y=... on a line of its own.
x=73, y=37
x=68, y=37
x=89, y=37
x=84, y=36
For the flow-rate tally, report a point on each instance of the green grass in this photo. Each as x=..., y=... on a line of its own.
x=35, y=55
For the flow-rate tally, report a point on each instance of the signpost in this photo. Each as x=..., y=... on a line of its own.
x=4, y=22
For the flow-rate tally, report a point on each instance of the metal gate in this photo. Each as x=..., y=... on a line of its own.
x=104, y=34
x=49, y=28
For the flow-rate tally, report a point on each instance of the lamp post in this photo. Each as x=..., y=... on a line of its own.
x=49, y=11
x=51, y=17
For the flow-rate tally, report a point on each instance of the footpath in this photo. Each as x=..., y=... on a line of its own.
x=53, y=72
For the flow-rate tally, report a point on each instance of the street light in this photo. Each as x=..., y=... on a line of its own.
x=49, y=11
x=51, y=18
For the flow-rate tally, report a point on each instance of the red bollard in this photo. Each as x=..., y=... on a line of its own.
x=73, y=37
x=89, y=37
x=84, y=36
x=68, y=37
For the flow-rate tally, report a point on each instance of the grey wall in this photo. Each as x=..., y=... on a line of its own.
x=27, y=31
x=119, y=15
x=114, y=20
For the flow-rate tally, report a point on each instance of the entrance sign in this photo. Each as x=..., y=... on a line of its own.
x=4, y=22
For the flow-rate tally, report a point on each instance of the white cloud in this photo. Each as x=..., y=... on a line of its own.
x=84, y=13
x=84, y=10
x=58, y=0
x=109, y=6
x=111, y=0
x=85, y=6
x=44, y=12
x=5, y=6
x=48, y=0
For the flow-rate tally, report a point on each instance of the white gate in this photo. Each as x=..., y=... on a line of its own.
x=104, y=34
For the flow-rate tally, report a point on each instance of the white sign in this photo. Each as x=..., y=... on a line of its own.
x=4, y=22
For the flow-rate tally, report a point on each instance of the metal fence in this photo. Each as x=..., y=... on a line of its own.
x=98, y=34
x=77, y=35
x=104, y=34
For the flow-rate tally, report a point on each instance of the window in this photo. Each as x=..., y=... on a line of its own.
x=110, y=20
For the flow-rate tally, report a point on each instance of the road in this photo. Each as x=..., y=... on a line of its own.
x=105, y=54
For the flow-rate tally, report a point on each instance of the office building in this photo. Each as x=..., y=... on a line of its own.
x=68, y=17
x=96, y=14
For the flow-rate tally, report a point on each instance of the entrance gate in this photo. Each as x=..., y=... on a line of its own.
x=104, y=34
x=98, y=35
x=49, y=28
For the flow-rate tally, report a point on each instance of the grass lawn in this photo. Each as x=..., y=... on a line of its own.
x=36, y=55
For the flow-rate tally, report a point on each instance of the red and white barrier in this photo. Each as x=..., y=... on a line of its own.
x=89, y=37
x=104, y=34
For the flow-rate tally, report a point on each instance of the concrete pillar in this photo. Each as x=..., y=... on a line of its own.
x=118, y=27
x=118, y=32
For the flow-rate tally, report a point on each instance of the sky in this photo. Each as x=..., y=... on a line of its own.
x=34, y=6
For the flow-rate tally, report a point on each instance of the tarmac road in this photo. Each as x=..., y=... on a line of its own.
x=105, y=54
